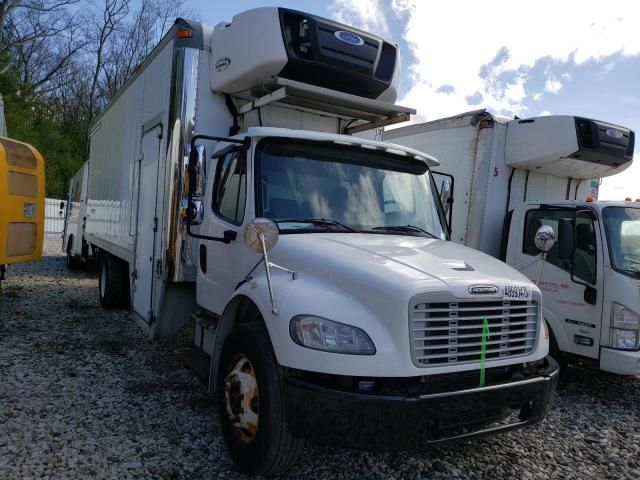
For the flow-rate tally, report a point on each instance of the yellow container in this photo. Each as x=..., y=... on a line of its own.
x=21, y=202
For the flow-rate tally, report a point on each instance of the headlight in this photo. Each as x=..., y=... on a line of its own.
x=625, y=324
x=322, y=334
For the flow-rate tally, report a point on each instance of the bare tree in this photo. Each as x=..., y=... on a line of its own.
x=114, y=13
x=129, y=48
x=39, y=38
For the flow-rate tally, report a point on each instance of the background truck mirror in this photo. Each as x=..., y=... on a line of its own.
x=581, y=257
x=565, y=239
x=590, y=295
x=445, y=196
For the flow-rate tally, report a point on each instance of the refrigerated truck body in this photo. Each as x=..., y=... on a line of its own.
x=243, y=128
x=513, y=175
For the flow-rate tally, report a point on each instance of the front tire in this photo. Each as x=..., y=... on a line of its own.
x=251, y=403
x=111, y=282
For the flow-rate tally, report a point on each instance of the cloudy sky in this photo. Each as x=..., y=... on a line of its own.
x=514, y=58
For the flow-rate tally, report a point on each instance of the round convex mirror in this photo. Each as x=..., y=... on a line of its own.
x=545, y=238
x=262, y=226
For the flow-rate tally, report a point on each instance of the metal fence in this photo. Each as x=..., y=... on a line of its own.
x=54, y=215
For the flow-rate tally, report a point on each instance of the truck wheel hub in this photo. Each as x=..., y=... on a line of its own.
x=241, y=398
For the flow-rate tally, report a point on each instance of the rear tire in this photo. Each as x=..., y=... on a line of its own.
x=251, y=403
x=111, y=281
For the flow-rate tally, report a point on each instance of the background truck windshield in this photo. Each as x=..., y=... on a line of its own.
x=362, y=189
x=623, y=234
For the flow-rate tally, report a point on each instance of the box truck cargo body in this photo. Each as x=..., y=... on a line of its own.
x=514, y=175
x=224, y=186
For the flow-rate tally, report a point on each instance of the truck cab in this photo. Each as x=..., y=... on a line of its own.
x=590, y=281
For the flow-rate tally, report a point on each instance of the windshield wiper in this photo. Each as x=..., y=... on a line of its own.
x=630, y=271
x=405, y=228
x=319, y=222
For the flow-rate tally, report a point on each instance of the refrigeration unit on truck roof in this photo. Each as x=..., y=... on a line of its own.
x=568, y=146
x=262, y=44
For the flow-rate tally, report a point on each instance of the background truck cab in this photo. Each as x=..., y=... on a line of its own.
x=591, y=280
x=514, y=175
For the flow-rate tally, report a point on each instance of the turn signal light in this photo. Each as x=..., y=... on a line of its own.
x=628, y=199
x=184, y=34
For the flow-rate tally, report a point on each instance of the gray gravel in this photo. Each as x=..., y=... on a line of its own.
x=83, y=394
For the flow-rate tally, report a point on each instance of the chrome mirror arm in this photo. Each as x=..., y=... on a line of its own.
x=267, y=268
x=529, y=261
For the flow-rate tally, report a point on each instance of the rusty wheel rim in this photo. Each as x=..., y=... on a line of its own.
x=241, y=398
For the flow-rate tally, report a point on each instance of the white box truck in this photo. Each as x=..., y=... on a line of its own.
x=223, y=181
x=74, y=244
x=513, y=175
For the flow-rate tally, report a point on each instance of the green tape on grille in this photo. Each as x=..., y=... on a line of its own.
x=483, y=349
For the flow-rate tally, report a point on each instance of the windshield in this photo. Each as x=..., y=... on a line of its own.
x=623, y=234
x=313, y=186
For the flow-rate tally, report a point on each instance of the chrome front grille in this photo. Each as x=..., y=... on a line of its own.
x=451, y=332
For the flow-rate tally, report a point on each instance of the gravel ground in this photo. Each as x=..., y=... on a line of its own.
x=83, y=394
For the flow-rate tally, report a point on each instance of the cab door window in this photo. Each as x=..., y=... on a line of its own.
x=564, y=222
x=230, y=192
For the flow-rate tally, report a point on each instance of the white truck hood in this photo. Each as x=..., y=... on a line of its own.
x=395, y=262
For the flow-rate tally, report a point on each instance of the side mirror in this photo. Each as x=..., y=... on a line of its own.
x=261, y=235
x=195, y=212
x=446, y=196
x=565, y=240
x=545, y=238
x=197, y=171
x=590, y=295
x=62, y=205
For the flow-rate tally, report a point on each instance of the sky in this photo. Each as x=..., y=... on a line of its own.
x=514, y=58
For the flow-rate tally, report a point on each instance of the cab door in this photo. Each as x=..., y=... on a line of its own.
x=221, y=265
x=571, y=295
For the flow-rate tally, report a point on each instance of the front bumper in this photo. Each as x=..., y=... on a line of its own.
x=393, y=422
x=622, y=362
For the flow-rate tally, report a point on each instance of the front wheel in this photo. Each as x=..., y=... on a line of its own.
x=251, y=404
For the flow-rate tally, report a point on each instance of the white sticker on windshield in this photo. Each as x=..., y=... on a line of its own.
x=517, y=292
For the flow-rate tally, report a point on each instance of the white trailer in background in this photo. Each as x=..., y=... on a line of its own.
x=514, y=175
x=363, y=325
x=74, y=244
